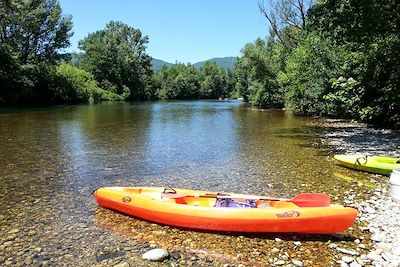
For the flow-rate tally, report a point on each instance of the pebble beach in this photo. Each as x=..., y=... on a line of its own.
x=380, y=213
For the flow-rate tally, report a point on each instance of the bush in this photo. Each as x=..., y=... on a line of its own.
x=76, y=85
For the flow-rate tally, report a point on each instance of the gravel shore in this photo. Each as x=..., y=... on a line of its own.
x=380, y=212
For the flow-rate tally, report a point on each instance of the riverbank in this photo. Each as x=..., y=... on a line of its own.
x=380, y=212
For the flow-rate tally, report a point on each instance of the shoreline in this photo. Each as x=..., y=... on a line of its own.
x=380, y=212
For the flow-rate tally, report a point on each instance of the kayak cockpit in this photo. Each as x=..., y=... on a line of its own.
x=233, y=203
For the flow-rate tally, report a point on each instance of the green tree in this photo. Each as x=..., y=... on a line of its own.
x=117, y=58
x=74, y=85
x=370, y=33
x=32, y=32
x=179, y=81
x=214, y=82
x=308, y=73
x=256, y=75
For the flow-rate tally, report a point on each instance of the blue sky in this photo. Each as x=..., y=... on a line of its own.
x=178, y=30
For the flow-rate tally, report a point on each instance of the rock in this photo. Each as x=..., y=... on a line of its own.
x=355, y=264
x=378, y=237
x=32, y=232
x=357, y=241
x=28, y=261
x=284, y=257
x=278, y=239
x=297, y=263
x=373, y=256
x=297, y=243
x=346, y=251
x=386, y=256
x=11, y=237
x=13, y=231
x=280, y=262
x=275, y=250
x=8, y=243
x=157, y=254
x=122, y=264
x=370, y=210
x=384, y=246
x=332, y=246
x=347, y=259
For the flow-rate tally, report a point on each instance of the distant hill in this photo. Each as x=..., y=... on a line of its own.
x=158, y=63
x=225, y=62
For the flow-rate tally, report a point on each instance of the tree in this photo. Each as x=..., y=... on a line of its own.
x=214, y=81
x=117, y=58
x=308, y=73
x=287, y=18
x=31, y=35
x=370, y=33
x=256, y=74
x=179, y=81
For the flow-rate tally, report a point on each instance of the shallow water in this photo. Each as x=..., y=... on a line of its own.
x=53, y=158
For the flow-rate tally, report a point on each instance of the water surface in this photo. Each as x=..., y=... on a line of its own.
x=53, y=158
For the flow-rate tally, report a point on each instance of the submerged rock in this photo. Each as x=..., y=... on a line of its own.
x=157, y=254
x=297, y=263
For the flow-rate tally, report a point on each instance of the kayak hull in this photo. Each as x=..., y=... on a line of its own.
x=377, y=165
x=150, y=206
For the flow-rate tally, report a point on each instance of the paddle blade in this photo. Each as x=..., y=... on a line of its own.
x=311, y=200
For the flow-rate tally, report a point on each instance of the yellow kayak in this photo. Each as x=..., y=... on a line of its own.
x=375, y=164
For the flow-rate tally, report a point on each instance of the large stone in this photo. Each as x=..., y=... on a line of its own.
x=373, y=256
x=355, y=264
x=347, y=251
x=157, y=254
x=347, y=259
x=297, y=263
x=279, y=263
x=122, y=264
x=13, y=231
x=370, y=210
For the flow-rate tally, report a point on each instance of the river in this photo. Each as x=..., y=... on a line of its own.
x=53, y=158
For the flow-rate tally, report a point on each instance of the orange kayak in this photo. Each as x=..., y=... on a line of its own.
x=194, y=209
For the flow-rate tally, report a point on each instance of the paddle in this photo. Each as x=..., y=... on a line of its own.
x=301, y=200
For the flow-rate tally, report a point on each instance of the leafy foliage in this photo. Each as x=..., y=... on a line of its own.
x=182, y=81
x=256, y=75
x=31, y=35
x=339, y=59
x=75, y=85
x=117, y=58
x=306, y=78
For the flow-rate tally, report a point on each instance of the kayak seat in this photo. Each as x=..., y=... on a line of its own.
x=283, y=205
x=196, y=201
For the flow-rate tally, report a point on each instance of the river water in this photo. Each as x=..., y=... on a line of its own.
x=53, y=158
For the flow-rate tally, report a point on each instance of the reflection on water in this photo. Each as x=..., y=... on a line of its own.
x=52, y=159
